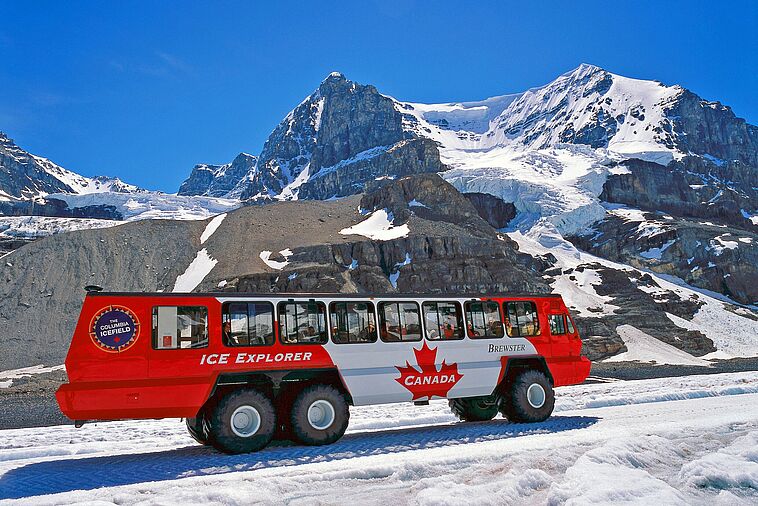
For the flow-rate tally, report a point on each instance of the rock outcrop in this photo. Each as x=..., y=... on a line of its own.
x=716, y=257
x=217, y=180
x=450, y=249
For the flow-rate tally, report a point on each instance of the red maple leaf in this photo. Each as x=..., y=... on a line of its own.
x=428, y=381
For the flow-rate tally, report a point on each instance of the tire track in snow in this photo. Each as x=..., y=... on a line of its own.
x=65, y=475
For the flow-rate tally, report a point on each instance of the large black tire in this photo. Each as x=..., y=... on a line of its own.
x=243, y=421
x=197, y=429
x=319, y=415
x=528, y=398
x=474, y=409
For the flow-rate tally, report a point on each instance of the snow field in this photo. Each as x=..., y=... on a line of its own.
x=153, y=205
x=211, y=227
x=640, y=447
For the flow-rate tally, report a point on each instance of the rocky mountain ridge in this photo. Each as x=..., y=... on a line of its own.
x=25, y=177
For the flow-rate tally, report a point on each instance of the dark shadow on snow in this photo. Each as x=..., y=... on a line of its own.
x=64, y=475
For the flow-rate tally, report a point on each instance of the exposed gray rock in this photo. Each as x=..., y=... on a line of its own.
x=715, y=257
x=710, y=128
x=40, y=301
x=640, y=309
x=493, y=210
x=406, y=157
x=218, y=180
x=687, y=189
x=450, y=249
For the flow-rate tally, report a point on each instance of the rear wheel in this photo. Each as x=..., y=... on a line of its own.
x=243, y=421
x=529, y=398
x=319, y=415
x=474, y=409
x=197, y=429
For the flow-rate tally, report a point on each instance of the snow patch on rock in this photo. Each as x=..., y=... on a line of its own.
x=196, y=272
x=642, y=347
x=378, y=227
x=211, y=227
x=274, y=264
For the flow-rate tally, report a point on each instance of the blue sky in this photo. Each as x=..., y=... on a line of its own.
x=144, y=91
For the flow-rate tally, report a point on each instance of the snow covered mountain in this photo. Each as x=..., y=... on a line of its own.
x=550, y=149
x=40, y=198
x=585, y=106
x=24, y=176
x=583, y=121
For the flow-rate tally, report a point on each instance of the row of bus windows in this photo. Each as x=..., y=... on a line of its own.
x=252, y=323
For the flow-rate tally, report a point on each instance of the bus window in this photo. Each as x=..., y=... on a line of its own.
x=248, y=324
x=483, y=320
x=399, y=321
x=521, y=319
x=570, y=325
x=443, y=320
x=557, y=324
x=352, y=322
x=180, y=327
x=302, y=322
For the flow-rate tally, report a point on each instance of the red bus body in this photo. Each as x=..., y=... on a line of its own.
x=140, y=381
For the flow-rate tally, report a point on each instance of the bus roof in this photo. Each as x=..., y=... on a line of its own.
x=300, y=295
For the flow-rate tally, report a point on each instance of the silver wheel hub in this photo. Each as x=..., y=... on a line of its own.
x=321, y=414
x=246, y=420
x=535, y=395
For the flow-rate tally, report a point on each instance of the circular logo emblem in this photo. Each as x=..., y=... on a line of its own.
x=114, y=329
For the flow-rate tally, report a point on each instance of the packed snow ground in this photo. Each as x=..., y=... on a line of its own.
x=688, y=440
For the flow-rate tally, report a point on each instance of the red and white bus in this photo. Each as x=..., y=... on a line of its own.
x=244, y=368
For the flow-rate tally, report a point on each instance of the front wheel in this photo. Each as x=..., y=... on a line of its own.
x=529, y=398
x=319, y=415
x=243, y=421
x=474, y=409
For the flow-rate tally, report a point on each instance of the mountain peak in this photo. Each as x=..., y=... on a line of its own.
x=334, y=77
x=583, y=70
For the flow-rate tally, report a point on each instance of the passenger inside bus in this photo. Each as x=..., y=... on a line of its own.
x=227, y=331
